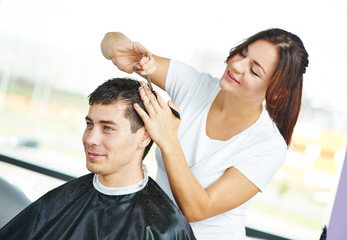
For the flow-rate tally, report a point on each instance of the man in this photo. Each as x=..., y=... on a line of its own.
x=117, y=200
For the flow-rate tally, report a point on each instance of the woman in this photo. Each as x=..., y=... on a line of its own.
x=230, y=141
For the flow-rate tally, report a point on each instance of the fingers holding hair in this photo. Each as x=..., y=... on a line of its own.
x=142, y=113
x=153, y=101
x=148, y=102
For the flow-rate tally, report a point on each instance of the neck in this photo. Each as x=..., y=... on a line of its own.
x=229, y=106
x=124, y=178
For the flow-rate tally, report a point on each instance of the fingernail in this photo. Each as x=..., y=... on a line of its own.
x=140, y=89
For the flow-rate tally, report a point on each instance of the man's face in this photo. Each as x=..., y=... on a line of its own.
x=110, y=146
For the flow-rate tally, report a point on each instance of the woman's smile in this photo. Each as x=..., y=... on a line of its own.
x=231, y=77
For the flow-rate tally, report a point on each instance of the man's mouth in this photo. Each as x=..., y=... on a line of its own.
x=93, y=155
x=231, y=77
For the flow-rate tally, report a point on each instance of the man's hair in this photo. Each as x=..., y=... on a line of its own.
x=124, y=90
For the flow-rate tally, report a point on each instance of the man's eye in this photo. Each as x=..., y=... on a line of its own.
x=108, y=128
x=89, y=124
x=254, y=72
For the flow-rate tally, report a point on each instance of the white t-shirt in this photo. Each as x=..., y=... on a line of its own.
x=257, y=152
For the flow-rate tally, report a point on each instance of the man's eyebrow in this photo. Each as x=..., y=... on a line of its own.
x=109, y=122
x=89, y=119
x=103, y=121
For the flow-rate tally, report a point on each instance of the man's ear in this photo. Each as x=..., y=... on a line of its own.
x=145, y=138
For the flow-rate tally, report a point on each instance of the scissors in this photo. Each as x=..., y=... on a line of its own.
x=174, y=112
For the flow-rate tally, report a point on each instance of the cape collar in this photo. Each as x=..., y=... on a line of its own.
x=115, y=191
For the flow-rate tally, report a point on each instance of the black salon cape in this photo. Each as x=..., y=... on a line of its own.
x=76, y=210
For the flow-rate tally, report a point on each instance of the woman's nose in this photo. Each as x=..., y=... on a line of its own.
x=240, y=65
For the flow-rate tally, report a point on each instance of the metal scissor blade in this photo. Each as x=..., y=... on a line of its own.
x=147, y=77
x=149, y=82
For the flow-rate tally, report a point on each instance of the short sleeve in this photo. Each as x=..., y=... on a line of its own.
x=186, y=86
x=265, y=160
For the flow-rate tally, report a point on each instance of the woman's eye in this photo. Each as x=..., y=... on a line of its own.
x=242, y=54
x=89, y=124
x=254, y=72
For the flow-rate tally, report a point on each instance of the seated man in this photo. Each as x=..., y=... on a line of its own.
x=118, y=200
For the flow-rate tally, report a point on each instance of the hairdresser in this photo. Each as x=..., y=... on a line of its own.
x=234, y=131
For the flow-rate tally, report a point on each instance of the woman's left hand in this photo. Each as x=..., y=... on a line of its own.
x=159, y=121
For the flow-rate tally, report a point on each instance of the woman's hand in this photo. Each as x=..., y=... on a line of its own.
x=126, y=54
x=159, y=121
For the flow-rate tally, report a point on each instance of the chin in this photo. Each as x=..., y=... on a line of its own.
x=92, y=168
x=223, y=84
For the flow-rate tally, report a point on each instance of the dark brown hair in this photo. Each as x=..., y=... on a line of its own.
x=283, y=96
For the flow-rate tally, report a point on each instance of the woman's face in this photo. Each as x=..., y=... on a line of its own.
x=248, y=73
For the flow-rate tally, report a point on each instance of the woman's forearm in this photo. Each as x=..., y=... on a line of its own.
x=228, y=192
x=191, y=197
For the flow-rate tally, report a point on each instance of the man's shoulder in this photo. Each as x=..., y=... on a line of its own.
x=80, y=184
x=154, y=189
x=156, y=198
x=87, y=178
x=162, y=214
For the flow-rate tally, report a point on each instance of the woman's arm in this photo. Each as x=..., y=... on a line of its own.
x=124, y=54
x=229, y=191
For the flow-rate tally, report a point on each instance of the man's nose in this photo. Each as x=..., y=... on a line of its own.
x=93, y=137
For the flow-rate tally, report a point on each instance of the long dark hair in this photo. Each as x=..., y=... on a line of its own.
x=283, y=96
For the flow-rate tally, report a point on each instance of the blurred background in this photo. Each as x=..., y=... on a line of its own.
x=50, y=60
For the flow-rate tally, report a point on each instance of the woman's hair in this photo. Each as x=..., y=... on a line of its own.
x=283, y=95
